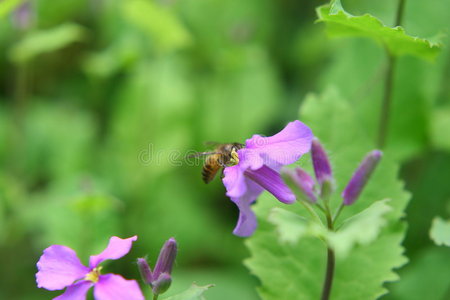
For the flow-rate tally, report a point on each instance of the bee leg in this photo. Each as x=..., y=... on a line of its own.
x=234, y=160
x=222, y=175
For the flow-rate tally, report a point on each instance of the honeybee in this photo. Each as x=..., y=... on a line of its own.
x=224, y=155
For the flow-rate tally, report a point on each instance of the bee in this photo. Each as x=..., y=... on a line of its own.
x=224, y=155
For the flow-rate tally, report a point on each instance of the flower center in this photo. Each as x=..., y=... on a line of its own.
x=234, y=160
x=93, y=275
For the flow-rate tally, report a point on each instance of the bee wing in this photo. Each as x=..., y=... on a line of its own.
x=198, y=154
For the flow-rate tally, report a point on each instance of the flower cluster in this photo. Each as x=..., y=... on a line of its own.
x=59, y=268
x=324, y=176
x=258, y=169
x=160, y=279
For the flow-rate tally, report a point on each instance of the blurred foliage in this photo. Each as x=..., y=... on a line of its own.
x=440, y=231
x=100, y=100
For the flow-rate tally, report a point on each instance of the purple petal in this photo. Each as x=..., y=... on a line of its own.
x=360, y=177
x=59, y=267
x=284, y=148
x=234, y=181
x=247, y=223
x=116, y=248
x=76, y=291
x=271, y=180
x=243, y=192
x=115, y=287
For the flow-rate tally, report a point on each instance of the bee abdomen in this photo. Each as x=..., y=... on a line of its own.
x=209, y=172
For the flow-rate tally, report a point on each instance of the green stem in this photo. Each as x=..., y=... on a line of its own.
x=329, y=273
x=383, y=123
x=386, y=105
x=338, y=212
x=320, y=207
x=155, y=297
x=311, y=211
x=400, y=10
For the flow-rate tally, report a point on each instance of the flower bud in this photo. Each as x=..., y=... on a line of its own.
x=22, y=17
x=166, y=258
x=321, y=164
x=145, y=270
x=327, y=189
x=303, y=183
x=161, y=284
x=360, y=177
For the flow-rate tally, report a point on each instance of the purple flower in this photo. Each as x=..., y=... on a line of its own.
x=160, y=278
x=360, y=177
x=258, y=170
x=59, y=267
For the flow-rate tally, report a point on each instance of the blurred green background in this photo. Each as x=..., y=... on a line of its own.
x=100, y=100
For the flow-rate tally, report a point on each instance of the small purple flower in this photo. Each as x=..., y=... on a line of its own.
x=59, y=267
x=360, y=177
x=258, y=169
x=160, y=278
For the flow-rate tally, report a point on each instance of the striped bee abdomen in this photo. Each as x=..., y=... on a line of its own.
x=211, y=167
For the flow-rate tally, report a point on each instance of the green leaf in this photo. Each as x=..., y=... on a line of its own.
x=296, y=271
x=341, y=23
x=361, y=229
x=44, y=41
x=440, y=231
x=195, y=292
x=8, y=6
x=425, y=275
x=158, y=22
x=292, y=227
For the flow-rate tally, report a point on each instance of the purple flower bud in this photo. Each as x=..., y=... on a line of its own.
x=162, y=284
x=303, y=181
x=22, y=17
x=360, y=177
x=166, y=258
x=322, y=167
x=145, y=270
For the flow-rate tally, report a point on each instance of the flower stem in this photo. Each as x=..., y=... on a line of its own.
x=338, y=212
x=329, y=273
x=386, y=105
x=389, y=78
x=155, y=297
x=311, y=211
